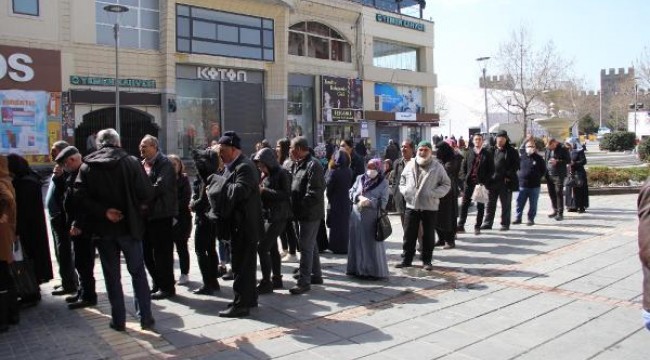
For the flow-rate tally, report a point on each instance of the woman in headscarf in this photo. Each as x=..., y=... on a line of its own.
x=7, y=238
x=447, y=219
x=30, y=216
x=339, y=181
x=366, y=256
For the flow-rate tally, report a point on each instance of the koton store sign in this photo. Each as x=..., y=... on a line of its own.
x=30, y=69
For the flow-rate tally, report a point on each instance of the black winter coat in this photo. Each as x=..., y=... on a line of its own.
x=111, y=178
x=276, y=195
x=308, y=190
x=164, y=203
x=485, y=167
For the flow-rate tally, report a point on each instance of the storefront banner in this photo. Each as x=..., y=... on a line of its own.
x=23, y=122
x=364, y=129
x=342, y=99
x=405, y=116
x=394, y=98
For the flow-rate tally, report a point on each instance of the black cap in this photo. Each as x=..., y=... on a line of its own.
x=502, y=133
x=66, y=153
x=230, y=138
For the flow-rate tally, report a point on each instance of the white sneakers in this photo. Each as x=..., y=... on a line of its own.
x=183, y=279
x=290, y=258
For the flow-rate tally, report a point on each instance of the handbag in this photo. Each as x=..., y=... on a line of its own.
x=480, y=194
x=384, y=229
x=24, y=277
x=574, y=180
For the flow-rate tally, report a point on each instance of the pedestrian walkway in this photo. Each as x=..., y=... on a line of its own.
x=556, y=290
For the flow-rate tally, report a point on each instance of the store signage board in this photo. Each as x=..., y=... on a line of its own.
x=391, y=20
x=106, y=81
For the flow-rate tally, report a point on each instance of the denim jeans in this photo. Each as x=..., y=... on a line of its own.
x=526, y=194
x=109, y=248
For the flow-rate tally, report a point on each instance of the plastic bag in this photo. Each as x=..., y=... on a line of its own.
x=480, y=194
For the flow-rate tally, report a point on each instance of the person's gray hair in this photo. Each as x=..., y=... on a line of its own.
x=108, y=137
x=151, y=140
x=60, y=145
x=300, y=142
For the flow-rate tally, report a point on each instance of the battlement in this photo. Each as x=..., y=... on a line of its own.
x=590, y=93
x=614, y=73
x=496, y=82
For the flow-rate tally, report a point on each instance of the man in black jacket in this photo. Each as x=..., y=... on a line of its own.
x=557, y=158
x=84, y=248
x=478, y=168
x=531, y=170
x=113, y=188
x=357, y=164
x=235, y=198
x=158, y=241
x=307, y=194
x=408, y=151
x=503, y=182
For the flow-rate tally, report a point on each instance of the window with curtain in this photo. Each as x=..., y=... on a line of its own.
x=320, y=42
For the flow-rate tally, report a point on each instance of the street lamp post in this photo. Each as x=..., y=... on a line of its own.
x=487, y=121
x=117, y=9
x=636, y=103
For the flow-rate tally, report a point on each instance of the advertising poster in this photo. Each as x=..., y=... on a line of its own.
x=392, y=98
x=23, y=122
x=342, y=99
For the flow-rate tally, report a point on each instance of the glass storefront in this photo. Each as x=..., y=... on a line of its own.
x=415, y=133
x=301, y=107
x=338, y=132
x=198, y=110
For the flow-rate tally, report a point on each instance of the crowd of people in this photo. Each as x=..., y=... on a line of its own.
x=238, y=206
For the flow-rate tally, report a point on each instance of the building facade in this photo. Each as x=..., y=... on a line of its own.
x=188, y=70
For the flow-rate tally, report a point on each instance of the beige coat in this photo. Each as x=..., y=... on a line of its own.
x=7, y=207
x=424, y=194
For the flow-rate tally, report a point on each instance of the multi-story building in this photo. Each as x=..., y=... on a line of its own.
x=188, y=70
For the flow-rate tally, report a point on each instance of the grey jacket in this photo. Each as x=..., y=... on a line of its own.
x=433, y=184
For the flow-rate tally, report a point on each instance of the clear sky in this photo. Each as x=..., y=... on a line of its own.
x=594, y=34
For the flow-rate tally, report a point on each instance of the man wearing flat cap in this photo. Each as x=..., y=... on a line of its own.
x=423, y=182
x=503, y=182
x=82, y=243
x=236, y=205
x=557, y=158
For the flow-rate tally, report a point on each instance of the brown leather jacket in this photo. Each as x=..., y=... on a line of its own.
x=644, y=240
x=7, y=207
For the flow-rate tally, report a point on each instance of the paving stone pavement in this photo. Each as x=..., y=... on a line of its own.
x=556, y=290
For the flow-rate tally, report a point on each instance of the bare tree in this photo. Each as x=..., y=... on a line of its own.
x=643, y=67
x=529, y=71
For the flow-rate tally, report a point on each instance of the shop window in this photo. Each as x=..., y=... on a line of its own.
x=321, y=42
x=26, y=7
x=139, y=26
x=300, y=111
x=395, y=56
x=222, y=33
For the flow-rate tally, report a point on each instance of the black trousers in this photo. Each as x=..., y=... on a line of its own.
x=205, y=247
x=464, y=207
x=289, y=237
x=504, y=195
x=268, y=250
x=158, y=249
x=413, y=219
x=84, y=263
x=555, y=186
x=181, y=235
x=63, y=252
x=244, y=268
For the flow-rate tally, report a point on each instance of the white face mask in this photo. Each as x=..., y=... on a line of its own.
x=372, y=173
x=530, y=151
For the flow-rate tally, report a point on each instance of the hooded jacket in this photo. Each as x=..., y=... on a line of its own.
x=276, y=188
x=111, y=178
x=7, y=207
x=425, y=193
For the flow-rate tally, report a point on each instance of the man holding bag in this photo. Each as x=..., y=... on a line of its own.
x=478, y=168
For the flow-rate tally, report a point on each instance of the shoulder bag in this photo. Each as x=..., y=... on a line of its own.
x=384, y=229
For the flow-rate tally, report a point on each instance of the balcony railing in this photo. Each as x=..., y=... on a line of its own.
x=413, y=8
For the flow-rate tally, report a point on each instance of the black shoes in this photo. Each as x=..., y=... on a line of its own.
x=277, y=282
x=81, y=304
x=315, y=280
x=559, y=217
x=234, y=312
x=486, y=227
x=581, y=211
x=516, y=222
x=120, y=328
x=72, y=298
x=147, y=324
x=504, y=228
x=427, y=266
x=403, y=265
x=460, y=229
x=205, y=290
x=530, y=223
x=553, y=214
x=297, y=290
x=572, y=210
x=62, y=291
x=265, y=287
x=160, y=294
x=477, y=231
